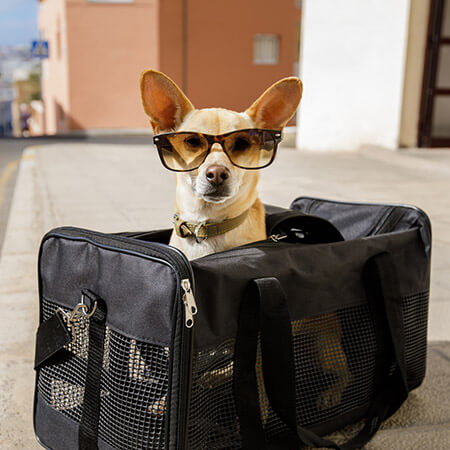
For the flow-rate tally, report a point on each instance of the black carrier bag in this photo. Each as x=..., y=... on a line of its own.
x=271, y=345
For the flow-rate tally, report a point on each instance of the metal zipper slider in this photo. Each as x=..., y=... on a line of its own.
x=189, y=302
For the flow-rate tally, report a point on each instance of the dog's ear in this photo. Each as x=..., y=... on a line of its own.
x=275, y=107
x=163, y=101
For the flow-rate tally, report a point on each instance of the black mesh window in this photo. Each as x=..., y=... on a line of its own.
x=133, y=388
x=415, y=319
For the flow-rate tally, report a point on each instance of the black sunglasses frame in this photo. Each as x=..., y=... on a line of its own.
x=160, y=139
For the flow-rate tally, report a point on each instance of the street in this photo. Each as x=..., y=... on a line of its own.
x=123, y=187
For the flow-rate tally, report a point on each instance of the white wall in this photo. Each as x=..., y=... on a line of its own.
x=352, y=66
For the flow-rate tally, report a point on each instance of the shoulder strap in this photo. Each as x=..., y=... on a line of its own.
x=88, y=429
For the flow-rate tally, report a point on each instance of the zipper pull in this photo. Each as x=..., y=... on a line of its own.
x=277, y=237
x=189, y=302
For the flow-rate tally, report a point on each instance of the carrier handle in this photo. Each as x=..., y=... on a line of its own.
x=265, y=310
x=90, y=415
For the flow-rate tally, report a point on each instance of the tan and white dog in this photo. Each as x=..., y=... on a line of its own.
x=217, y=191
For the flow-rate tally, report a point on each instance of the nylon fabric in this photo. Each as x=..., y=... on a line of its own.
x=391, y=390
x=88, y=430
x=328, y=275
x=140, y=292
x=317, y=355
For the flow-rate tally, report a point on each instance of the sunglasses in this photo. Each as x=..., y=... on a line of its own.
x=248, y=149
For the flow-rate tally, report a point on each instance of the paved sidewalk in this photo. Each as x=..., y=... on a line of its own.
x=117, y=187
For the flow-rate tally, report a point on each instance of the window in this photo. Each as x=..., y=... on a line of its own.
x=266, y=49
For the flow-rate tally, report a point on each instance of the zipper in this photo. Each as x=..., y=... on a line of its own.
x=161, y=251
x=391, y=221
x=385, y=213
x=187, y=338
x=189, y=303
x=176, y=259
x=404, y=205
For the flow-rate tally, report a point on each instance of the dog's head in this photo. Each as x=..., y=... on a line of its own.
x=217, y=179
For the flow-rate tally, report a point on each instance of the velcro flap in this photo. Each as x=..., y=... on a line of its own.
x=52, y=336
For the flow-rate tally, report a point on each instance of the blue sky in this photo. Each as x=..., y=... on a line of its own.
x=18, y=21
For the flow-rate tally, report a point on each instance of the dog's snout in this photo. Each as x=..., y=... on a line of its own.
x=217, y=174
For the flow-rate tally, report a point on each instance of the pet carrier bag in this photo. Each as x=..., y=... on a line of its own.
x=274, y=344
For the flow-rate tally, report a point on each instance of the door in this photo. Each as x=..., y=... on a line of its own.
x=434, y=126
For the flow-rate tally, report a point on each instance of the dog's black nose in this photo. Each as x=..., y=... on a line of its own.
x=216, y=174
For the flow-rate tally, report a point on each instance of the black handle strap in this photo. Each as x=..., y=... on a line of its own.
x=265, y=310
x=88, y=429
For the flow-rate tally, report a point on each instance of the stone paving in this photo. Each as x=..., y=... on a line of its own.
x=118, y=187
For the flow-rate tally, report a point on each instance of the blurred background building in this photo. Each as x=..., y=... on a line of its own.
x=375, y=72
x=19, y=84
x=220, y=53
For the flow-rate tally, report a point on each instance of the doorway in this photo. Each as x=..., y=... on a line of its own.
x=434, y=126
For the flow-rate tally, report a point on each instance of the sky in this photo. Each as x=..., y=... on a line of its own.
x=18, y=21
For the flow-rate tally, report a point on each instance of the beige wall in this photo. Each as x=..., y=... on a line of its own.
x=55, y=94
x=103, y=72
x=412, y=87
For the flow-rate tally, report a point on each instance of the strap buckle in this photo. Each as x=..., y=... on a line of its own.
x=181, y=228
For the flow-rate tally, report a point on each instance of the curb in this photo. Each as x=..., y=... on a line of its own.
x=18, y=298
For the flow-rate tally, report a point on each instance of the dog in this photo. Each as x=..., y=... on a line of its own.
x=217, y=193
x=216, y=154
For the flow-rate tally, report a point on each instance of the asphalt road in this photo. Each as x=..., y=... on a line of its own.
x=11, y=152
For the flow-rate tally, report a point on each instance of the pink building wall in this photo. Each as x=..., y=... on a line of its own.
x=109, y=46
x=221, y=71
x=93, y=81
x=55, y=86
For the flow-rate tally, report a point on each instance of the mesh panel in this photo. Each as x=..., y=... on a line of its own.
x=415, y=319
x=134, y=386
x=213, y=423
x=334, y=360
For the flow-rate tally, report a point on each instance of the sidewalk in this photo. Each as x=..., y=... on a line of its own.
x=117, y=187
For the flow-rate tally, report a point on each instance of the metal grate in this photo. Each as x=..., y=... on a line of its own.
x=134, y=386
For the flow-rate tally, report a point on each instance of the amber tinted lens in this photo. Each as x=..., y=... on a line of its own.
x=183, y=151
x=251, y=149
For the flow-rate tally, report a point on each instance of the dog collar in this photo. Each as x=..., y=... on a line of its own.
x=203, y=231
